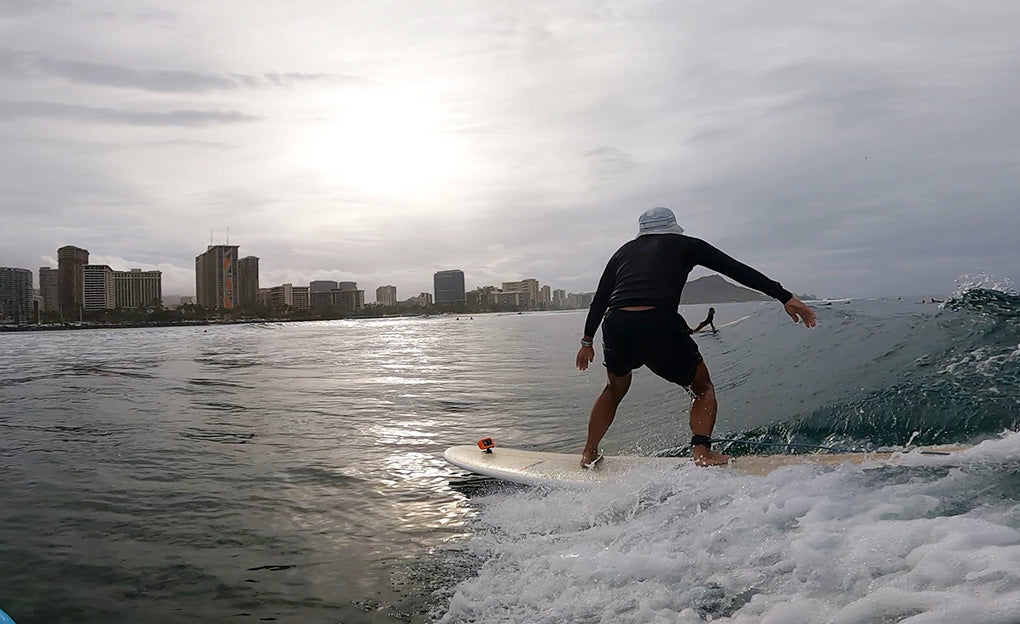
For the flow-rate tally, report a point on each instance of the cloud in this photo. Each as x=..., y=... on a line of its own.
x=607, y=161
x=11, y=110
x=23, y=65
x=22, y=8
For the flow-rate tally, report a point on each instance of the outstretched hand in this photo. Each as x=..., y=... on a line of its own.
x=799, y=311
x=584, y=357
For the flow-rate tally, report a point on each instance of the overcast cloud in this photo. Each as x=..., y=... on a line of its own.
x=846, y=149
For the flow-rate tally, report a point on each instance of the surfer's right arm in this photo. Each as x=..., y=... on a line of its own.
x=585, y=354
x=597, y=309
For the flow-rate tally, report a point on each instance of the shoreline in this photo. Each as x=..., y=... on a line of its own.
x=207, y=322
x=80, y=326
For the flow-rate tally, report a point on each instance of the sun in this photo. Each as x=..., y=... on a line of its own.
x=382, y=142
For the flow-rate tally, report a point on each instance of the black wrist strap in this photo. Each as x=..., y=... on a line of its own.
x=701, y=440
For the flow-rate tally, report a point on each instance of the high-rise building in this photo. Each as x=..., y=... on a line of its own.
x=48, y=281
x=216, y=277
x=279, y=297
x=514, y=299
x=559, y=298
x=15, y=294
x=319, y=299
x=99, y=292
x=137, y=288
x=386, y=295
x=349, y=300
x=300, y=298
x=482, y=296
x=529, y=286
x=70, y=285
x=346, y=297
x=545, y=296
x=423, y=299
x=449, y=287
x=579, y=300
x=285, y=296
x=322, y=286
x=248, y=281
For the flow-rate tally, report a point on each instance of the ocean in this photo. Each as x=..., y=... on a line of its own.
x=293, y=472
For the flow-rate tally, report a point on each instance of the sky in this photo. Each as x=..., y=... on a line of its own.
x=866, y=148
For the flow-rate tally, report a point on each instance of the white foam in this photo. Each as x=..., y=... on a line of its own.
x=982, y=281
x=804, y=544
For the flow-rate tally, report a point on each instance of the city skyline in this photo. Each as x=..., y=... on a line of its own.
x=225, y=280
x=260, y=284
x=861, y=152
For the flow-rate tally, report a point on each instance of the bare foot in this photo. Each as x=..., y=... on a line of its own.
x=703, y=457
x=589, y=459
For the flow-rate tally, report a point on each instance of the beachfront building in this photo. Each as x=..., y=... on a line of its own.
x=559, y=298
x=579, y=300
x=48, y=291
x=513, y=299
x=386, y=295
x=299, y=298
x=449, y=287
x=138, y=289
x=481, y=297
x=248, y=281
x=15, y=294
x=71, y=261
x=349, y=300
x=318, y=286
x=98, y=289
x=278, y=297
x=285, y=296
x=423, y=300
x=344, y=296
x=216, y=275
x=528, y=286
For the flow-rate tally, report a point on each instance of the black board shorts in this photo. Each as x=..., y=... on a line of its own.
x=656, y=338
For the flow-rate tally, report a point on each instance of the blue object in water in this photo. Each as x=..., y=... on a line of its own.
x=4, y=618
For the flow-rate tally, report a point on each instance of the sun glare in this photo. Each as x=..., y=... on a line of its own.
x=381, y=142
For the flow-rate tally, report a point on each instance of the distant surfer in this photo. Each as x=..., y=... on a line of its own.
x=708, y=321
x=636, y=303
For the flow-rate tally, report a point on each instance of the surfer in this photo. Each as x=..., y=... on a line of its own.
x=708, y=321
x=636, y=303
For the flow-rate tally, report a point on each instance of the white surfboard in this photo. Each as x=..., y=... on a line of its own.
x=707, y=329
x=540, y=468
x=743, y=318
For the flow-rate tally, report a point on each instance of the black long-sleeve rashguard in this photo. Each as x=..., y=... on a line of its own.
x=652, y=270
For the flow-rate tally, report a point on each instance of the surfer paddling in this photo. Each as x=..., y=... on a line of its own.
x=636, y=302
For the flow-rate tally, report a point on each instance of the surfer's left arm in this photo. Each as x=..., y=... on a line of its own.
x=710, y=257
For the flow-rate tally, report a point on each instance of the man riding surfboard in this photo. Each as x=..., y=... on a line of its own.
x=636, y=303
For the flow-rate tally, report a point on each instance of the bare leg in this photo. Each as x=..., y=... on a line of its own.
x=703, y=411
x=603, y=413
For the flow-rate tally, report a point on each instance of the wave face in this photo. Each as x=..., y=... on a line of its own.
x=934, y=540
x=949, y=377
